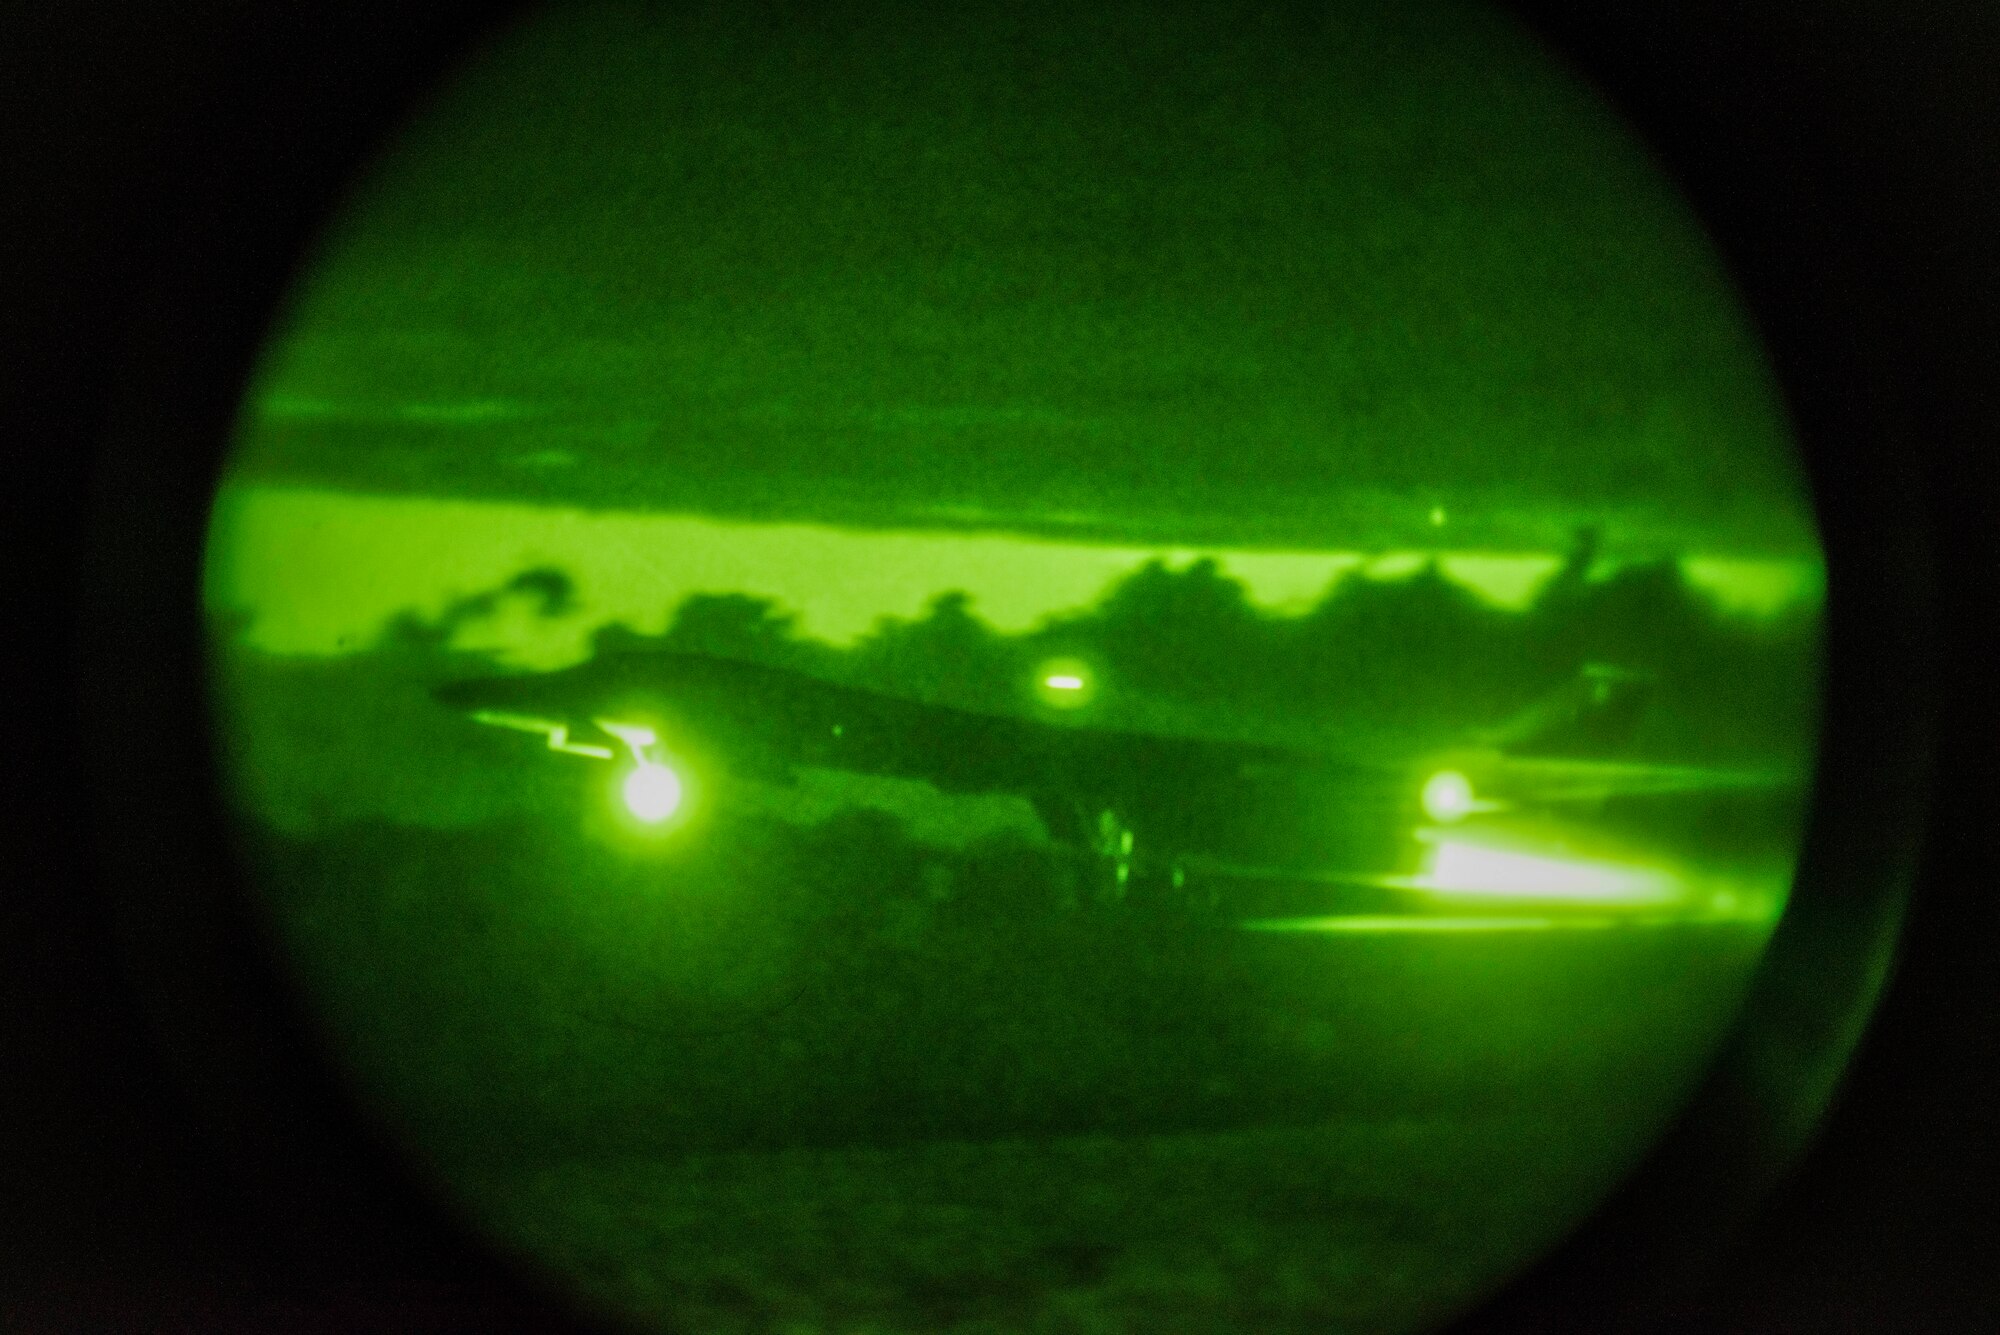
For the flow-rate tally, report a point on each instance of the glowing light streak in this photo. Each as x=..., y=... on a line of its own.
x=1461, y=869
x=637, y=736
x=1594, y=780
x=557, y=733
x=1063, y=681
x=1384, y=924
x=652, y=791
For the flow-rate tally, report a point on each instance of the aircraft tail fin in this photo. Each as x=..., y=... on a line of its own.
x=1593, y=715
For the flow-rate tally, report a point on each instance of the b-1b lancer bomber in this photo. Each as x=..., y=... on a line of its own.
x=1144, y=810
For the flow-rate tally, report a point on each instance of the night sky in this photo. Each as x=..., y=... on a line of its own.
x=1285, y=278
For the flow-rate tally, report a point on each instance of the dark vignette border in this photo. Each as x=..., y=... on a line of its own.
x=1823, y=167
x=1800, y=154
x=323, y=1222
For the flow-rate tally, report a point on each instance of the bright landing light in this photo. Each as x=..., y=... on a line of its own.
x=1459, y=869
x=1447, y=796
x=652, y=792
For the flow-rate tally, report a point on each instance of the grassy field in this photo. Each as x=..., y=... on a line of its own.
x=1378, y=1226
x=1092, y=1126
x=1439, y=1139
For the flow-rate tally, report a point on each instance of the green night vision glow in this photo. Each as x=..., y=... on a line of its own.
x=1155, y=602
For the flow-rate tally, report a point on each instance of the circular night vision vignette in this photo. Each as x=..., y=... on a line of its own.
x=1061, y=680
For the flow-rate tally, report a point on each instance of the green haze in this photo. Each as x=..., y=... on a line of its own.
x=1017, y=667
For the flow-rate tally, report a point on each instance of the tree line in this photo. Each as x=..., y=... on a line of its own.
x=1420, y=652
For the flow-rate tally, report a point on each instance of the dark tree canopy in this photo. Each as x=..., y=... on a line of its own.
x=1414, y=652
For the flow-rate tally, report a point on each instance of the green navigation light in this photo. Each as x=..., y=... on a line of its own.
x=652, y=792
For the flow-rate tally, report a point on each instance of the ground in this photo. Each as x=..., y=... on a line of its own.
x=869, y=1071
